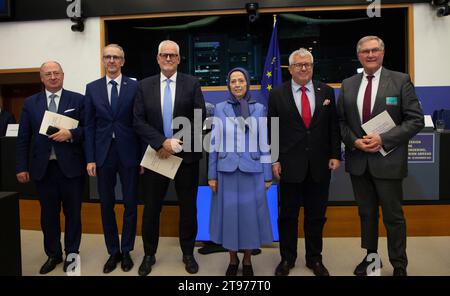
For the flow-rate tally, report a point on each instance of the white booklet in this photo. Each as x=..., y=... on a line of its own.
x=379, y=124
x=167, y=167
x=56, y=120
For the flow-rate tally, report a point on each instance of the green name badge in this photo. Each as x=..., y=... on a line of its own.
x=391, y=101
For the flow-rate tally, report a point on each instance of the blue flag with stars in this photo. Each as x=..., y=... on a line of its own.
x=271, y=77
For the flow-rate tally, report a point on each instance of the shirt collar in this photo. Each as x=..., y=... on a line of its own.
x=118, y=79
x=58, y=93
x=376, y=75
x=296, y=87
x=173, y=78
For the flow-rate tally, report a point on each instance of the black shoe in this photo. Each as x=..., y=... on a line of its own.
x=68, y=262
x=247, y=270
x=318, y=268
x=111, y=264
x=191, y=265
x=50, y=264
x=127, y=264
x=361, y=268
x=400, y=271
x=232, y=269
x=146, y=265
x=283, y=268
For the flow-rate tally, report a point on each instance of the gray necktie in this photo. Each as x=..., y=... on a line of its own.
x=52, y=105
x=52, y=108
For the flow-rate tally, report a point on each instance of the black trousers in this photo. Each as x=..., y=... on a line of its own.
x=313, y=196
x=53, y=190
x=186, y=186
x=370, y=193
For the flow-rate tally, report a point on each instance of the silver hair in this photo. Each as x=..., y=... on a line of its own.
x=47, y=62
x=368, y=38
x=116, y=46
x=168, y=42
x=303, y=52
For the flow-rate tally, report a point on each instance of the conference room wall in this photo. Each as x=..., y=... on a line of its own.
x=28, y=44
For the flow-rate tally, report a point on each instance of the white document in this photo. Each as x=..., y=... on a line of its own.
x=428, y=121
x=379, y=124
x=166, y=167
x=56, y=120
x=12, y=130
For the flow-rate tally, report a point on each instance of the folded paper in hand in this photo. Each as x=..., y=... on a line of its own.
x=56, y=120
x=380, y=124
x=167, y=167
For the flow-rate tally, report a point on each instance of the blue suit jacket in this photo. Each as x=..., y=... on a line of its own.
x=228, y=131
x=100, y=123
x=69, y=154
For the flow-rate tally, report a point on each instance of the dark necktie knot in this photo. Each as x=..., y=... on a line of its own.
x=303, y=89
x=370, y=77
x=113, y=83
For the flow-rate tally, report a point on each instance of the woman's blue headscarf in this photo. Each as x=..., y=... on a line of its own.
x=240, y=107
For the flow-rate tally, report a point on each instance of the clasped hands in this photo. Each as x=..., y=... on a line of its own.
x=169, y=147
x=370, y=143
x=62, y=135
x=213, y=185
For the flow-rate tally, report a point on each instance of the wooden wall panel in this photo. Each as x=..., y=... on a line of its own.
x=343, y=221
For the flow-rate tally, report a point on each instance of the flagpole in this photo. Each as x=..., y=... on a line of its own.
x=274, y=19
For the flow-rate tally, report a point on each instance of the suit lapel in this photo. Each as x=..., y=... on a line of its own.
x=104, y=95
x=63, y=102
x=353, y=95
x=318, y=94
x=380, y=103
x=156, y=98
x=123, y=95
x=41, y=105
x=178, y=94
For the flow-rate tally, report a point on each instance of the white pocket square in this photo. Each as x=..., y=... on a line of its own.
x=326, y=102
x=68, y=110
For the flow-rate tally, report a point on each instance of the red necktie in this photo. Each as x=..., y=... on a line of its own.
x=306, y=108
x=367, y=100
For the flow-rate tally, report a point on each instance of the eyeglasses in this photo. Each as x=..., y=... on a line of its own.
x=168, y=55
x=53, y=73
x=366, y=52
x=114, y=57
x=301, y=65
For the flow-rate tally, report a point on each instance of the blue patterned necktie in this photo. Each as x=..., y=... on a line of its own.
x=52, y=105
x=167, y=110
x=114, y=96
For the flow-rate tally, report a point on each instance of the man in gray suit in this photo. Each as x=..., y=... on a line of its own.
x=376, y=179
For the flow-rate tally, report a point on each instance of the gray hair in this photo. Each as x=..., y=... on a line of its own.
x=303, y=52
x=166, y=42
x=116, y=46
x=47, y=62
x=368, y=38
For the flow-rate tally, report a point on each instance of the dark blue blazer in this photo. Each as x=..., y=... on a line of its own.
x=100, y=123
x=69, y=154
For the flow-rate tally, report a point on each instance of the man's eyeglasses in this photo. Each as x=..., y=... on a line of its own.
x=168, y=55
x=301, y=65
x=53, y=73
x=114, y=57
x=366, y=52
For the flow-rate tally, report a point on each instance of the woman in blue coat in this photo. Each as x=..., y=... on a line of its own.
x=239, y=174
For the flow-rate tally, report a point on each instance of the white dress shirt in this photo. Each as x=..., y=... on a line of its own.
x=298, y=96
x=173, y=84
x=362, y=90
x=57, y=98
x=118, y=79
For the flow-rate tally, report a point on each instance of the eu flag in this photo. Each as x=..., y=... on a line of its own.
x=271, y=77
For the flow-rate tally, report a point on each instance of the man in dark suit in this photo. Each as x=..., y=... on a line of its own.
x=160, y=99
x=57, y=163
x=112, y=147
x=377, y=179
x=309, y=149
x=5, y=119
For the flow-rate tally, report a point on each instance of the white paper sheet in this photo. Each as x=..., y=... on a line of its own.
x=56, y=120
x=166, y=167
x=379, y=124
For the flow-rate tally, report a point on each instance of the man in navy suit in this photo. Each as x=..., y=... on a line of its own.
x=160, y=98
x=113, y=147
x=309, y=150
x=57, y=163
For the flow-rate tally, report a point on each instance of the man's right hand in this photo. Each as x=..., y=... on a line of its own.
x=213, y=185
x=172, y=146
x=91, y=169
x=23, y=177
x=364, y=145
x=276, y=170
